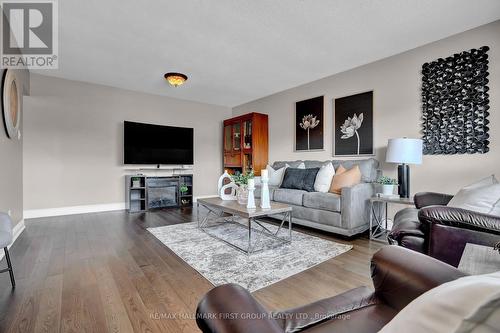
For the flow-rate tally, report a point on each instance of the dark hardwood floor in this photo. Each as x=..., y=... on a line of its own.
x=104, y=272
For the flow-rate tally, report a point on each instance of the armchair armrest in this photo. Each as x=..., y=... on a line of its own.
x=400, y=275
x=460, y=218
x=424, y=199
x=232, y=309
x=355, y=205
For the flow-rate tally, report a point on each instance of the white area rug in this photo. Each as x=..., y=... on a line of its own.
x=220, y=263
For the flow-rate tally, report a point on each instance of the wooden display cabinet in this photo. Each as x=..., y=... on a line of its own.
x=246, y=143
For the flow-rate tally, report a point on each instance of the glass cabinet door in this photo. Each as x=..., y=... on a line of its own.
x=237, y=136
x=247, y=134
x=227, y=138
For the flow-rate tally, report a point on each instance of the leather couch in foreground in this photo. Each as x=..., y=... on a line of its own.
x=442, y=232
x=399, y=275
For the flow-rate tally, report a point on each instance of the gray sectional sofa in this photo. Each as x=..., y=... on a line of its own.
x=346, y=214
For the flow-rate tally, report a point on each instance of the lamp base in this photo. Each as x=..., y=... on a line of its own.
x=404, y=180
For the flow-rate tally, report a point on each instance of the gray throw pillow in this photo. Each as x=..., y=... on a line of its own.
x=300, y=179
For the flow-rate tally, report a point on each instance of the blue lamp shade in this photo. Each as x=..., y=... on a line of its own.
x=404, y=151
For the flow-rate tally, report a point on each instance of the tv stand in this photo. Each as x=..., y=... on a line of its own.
x=144, y=193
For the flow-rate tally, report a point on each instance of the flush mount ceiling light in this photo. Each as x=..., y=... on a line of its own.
x=175, y=79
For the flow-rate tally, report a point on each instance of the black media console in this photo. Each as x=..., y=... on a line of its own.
x=153, y=192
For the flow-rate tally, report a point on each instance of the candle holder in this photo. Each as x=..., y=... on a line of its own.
x=251, y=196
x=265, y=202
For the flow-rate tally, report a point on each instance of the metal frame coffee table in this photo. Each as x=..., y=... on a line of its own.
x=221, y=211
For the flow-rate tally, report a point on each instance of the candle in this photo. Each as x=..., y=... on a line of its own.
x=264, y=173
x=251, y=183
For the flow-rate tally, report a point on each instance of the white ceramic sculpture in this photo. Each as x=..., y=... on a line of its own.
x=222, y=189
x=224, y=176
x=265, y=202
x=232, y=196
x=251, y=197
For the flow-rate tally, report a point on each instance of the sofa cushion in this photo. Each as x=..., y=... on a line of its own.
x=275, y=175
x=325, y=201
x=325, y=217
x=324, y=178
x=299, y=179
x=368, y=167
x=290, y=196
x=345, y=178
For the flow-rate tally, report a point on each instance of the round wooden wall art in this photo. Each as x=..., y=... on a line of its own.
x=11, y=104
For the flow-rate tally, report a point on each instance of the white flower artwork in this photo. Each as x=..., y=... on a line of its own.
x=350, y=128
x=308, y=123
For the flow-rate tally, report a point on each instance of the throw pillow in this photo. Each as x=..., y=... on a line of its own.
x=345, y=178
x=275, y=176
x=482, y=196
x=301, y=165
x=324, y=178
x=300, y=179
x=450, y=306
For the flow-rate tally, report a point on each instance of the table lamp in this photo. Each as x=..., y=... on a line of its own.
x=404, y=151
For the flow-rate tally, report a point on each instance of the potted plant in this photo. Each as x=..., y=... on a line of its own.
x=387, y=184
x=136, y=181
x=241, y=179
x=184, y=189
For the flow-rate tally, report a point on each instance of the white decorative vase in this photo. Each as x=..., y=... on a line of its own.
x=242, y=194
x=136, y=183
x=388, y=189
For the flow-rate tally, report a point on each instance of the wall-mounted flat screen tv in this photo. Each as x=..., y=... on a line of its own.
x=156, y=144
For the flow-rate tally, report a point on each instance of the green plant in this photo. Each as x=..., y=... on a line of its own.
x=136, y=179
x=183, y=188
x=242, y=178
x=384, y=180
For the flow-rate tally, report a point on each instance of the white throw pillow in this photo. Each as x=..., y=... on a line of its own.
x=482, y=196
x=448, y=306
x=276, y=176
x=301, y=165
x=324, y=178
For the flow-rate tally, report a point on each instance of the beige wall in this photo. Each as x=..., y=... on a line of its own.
x=11, y=165
x=73, y=144
x=396, y=82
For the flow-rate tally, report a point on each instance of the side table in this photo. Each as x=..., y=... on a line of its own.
x=379, y=207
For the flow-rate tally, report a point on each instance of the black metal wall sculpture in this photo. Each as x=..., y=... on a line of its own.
x=455, y=104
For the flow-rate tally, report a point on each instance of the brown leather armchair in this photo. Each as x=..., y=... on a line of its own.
x=440, y=231
x=399, y=276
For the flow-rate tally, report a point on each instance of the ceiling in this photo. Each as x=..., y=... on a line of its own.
x=236, y=51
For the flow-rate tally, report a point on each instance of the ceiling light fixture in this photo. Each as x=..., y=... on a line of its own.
x=175, y=79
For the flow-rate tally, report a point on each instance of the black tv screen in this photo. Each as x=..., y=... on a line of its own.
x=156, y=144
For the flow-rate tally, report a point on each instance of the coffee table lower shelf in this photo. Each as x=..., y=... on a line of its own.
x=230, y=212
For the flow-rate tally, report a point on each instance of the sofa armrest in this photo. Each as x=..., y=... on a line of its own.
x=355, y=205
x=400, y=275
x=460, y=218
x=232, y=309
x=424, y=199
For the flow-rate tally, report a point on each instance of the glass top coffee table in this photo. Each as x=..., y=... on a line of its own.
x=231, y=213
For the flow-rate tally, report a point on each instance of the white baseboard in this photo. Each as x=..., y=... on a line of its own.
x=71, y=210
x=17, y=230
x=203, y=197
